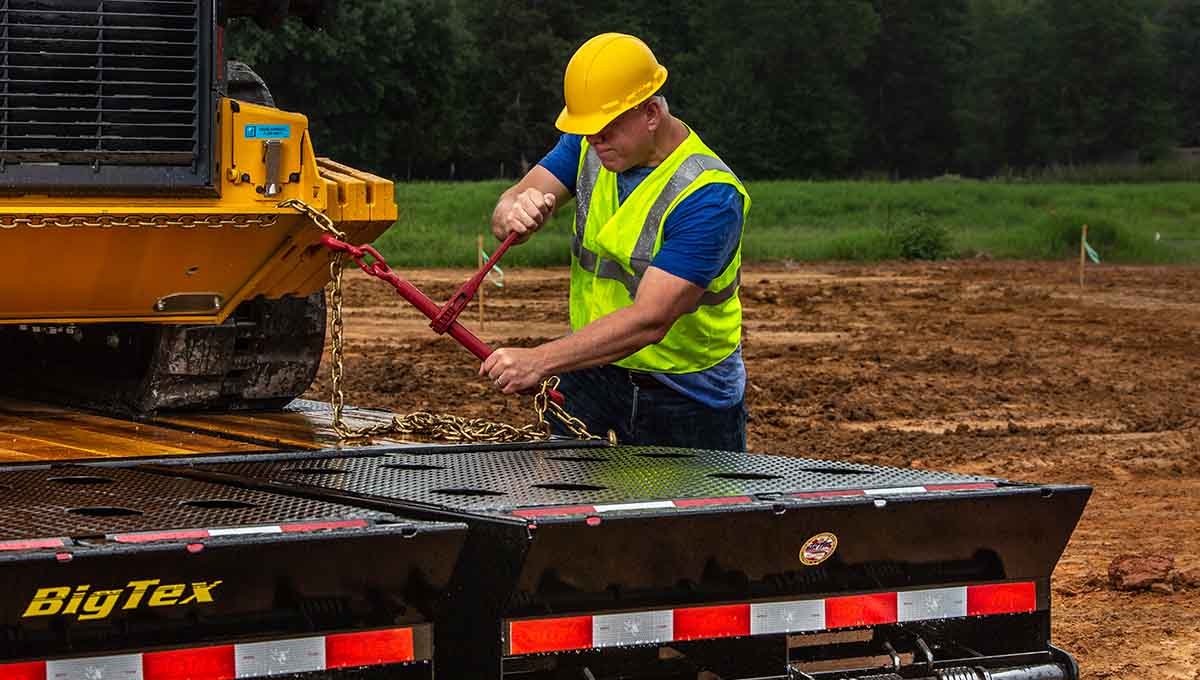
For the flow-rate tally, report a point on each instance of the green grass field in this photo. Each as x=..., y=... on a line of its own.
x=856, y=221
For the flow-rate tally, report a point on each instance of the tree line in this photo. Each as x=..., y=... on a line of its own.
x=469, y=89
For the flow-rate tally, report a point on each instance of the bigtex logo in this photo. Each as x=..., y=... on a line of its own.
x=98, y=604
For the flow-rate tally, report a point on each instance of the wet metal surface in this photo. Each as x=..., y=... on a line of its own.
x=76, y=500
x=502, y=480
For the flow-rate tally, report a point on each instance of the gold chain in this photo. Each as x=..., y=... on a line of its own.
x=138, y=221
x=441, y=427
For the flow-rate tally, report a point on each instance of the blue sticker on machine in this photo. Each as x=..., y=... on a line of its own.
x=268, y=131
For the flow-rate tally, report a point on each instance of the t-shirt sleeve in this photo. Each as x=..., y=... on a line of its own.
x=563, y=160
x=701, y=234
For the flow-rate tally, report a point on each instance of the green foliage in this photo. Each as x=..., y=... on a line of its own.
x=999, y=119
x=1181, y=43
x=765, y=83
x=1104, y=82
x=1062, y=231
x=440, y=223
x=918, y=238
x=380, y=87
x=780, y=88
x=512, y=87
x=859, y=221
x=858, y=245
x=907, y=85
x=1108, y=173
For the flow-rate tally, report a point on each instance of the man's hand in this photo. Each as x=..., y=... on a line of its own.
x=515, y=369
x=526, y=214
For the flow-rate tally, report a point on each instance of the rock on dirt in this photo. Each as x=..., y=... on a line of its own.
x=1141, y=572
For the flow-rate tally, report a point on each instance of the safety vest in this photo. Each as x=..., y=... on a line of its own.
x=614, y=244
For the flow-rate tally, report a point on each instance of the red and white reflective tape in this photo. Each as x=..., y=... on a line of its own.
x=226, y=662
x=189, y=534
x=532, y=636
x=897, y=490
x=32, y=544
x=684, y=503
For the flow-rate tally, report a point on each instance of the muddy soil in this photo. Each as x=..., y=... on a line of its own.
x=1004, y=369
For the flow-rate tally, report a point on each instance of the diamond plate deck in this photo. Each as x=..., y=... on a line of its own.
x=75, y=501
x=501, y=481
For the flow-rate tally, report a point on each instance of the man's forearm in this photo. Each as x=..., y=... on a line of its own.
x=661, y=299
x=605, y=340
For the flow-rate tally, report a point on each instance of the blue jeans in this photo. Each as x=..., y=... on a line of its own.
x=606, y=399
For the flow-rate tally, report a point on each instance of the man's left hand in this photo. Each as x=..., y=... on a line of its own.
x=514, y=369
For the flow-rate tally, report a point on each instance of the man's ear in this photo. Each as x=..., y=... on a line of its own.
x=653, y=113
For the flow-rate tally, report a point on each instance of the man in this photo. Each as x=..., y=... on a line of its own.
x=655, y=348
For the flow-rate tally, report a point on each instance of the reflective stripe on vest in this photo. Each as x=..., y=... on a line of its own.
x=688, y=171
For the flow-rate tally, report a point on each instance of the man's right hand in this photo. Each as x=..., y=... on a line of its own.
x=525, y=214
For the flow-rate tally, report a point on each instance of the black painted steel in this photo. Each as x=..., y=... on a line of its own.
x=383, y=571
x=594, y=558
x=603, y=539
x=76, y=500
x=500, y=481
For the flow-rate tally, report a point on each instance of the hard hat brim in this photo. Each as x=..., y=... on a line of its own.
x=584, y=125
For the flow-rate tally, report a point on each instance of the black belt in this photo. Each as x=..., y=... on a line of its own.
x=645, y=381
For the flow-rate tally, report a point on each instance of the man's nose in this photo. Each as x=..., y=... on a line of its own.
x=595, y=139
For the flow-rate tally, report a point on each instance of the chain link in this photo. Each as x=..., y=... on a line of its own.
x=138, y=221
x=323, y=221
x=437, y=426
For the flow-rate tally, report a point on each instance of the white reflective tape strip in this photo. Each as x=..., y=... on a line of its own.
x=650, y=505
x=123, y=667
x=280, y=657
x=936, y=603
x=245, y=530
x=787, y=617
x=635, y=628
x=896, y=490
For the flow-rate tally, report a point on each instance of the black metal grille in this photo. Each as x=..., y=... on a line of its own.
x=100, y=80
x=504, y=480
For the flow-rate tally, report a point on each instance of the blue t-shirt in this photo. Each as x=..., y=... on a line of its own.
x=700, y=237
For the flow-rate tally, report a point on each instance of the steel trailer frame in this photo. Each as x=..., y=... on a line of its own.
x=627, y=558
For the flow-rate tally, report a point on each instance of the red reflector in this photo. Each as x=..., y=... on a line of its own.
x=317, y=526
x=160, y=536
x=32, y=544
x=550, y=512
x=698, y=502
x=372, y=648
x=1001, y=598
x=712, y=622
x=34, y=670
x=860, y=610
x=550, y=635
x=203, y=663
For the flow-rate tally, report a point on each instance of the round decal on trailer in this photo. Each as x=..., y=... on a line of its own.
x=818, y=549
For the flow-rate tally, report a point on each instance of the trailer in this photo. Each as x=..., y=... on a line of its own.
x=205, y=547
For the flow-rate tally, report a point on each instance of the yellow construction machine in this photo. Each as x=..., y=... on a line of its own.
x=152, y=250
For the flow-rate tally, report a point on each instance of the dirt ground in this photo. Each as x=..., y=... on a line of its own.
x=1003, y=369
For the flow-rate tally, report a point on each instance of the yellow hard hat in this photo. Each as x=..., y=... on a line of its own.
x=607, y=76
